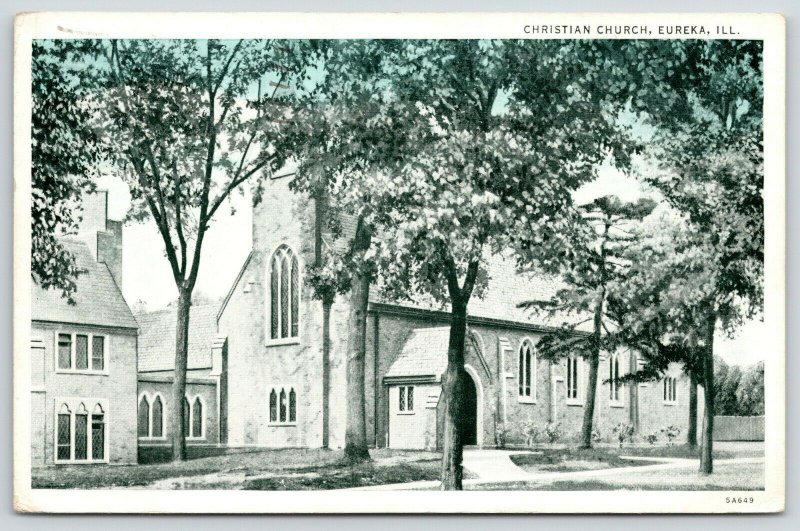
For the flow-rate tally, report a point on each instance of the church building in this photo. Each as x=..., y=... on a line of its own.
x=282, y=392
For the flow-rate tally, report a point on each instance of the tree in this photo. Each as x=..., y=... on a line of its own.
x=707, y=163
x=750, y=394
x=726, y=381
x=471, y=162
x=333, y=164
x=192, y=121
x=66, y=153
x=592, y=277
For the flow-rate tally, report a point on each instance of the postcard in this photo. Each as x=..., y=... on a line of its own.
x=399, y=263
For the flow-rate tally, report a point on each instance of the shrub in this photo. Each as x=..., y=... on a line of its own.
x=652, y=438
x=671, y=432
x=553, y=432
x=623, y=432
x=530, y=432
x=501, y=434
x=596, y=436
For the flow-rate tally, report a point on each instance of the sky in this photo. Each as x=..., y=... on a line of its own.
x=147, y=277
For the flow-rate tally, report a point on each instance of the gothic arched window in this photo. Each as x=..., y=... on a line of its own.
x=527, y=371
x=157, y=417
x=284, y=301
x=144, y=417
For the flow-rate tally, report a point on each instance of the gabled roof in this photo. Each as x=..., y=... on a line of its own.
x=424, y=354
x=157, y=338
x=505, y=290
x=98, y=299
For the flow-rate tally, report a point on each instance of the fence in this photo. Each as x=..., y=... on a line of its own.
x=738, y=428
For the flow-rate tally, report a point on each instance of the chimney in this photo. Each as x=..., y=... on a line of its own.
x=109, y=249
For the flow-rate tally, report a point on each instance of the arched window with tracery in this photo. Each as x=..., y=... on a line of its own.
x=284, y=301
x=527, y=371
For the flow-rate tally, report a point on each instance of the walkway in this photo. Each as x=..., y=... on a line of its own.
x=496, y=467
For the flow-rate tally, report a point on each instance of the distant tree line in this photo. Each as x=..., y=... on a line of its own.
x=739, y=390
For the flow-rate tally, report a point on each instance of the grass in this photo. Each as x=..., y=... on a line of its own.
x=256, y=469
x=683, y=451
x=573, y=459
x=343, y=477
x=730, y=477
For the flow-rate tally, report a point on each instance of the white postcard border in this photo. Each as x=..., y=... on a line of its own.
x=767, y=27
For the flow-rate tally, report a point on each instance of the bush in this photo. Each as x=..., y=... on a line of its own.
x=553, y=432
x=652, y=438
x=530, y=433
x=623, y=432
x=596, y=436
x=671, y=433
x=501, y=434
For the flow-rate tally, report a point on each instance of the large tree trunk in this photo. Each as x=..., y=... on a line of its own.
x=706, y=450
x=594, y=365
x=453, y=381
x=179, y=379
x=326, y=371
x=591, y=394
x=320, y=210
x=355, y=442
x=691, y=434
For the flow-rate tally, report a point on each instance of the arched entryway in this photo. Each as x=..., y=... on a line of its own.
x=473, y=398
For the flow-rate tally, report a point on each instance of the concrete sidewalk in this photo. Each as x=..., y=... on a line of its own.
x=495, y=465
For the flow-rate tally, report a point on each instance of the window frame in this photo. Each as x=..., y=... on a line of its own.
x=405, y=391
x=288, y=340
x=73, y=353
x=670, y=390
x=277, y=388
x=617, y=396
x=151, y=399
x=576, y=400
x=73, y=405
x=191, y=400
x=532, y=371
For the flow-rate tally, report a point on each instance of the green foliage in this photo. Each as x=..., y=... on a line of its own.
x=66, y=154
x=594, y=277
x=702, y=261
x=531, y=432
x=501, y=435
x=623, y=432
x=553, y=432
x=473, y=135
x=191, y=122
x=671, y=432
x=738, y=392
x=750, y=394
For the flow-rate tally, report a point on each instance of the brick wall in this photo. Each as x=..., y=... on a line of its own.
x=118, y=388
x=655, y=413
x=150, y=386
x=109, y=249
x=255, y=364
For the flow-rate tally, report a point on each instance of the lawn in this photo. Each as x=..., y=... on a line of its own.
x=729, y=477
x=262, y=469
x=342, y=476
x=682, y=451
x=573, y=460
